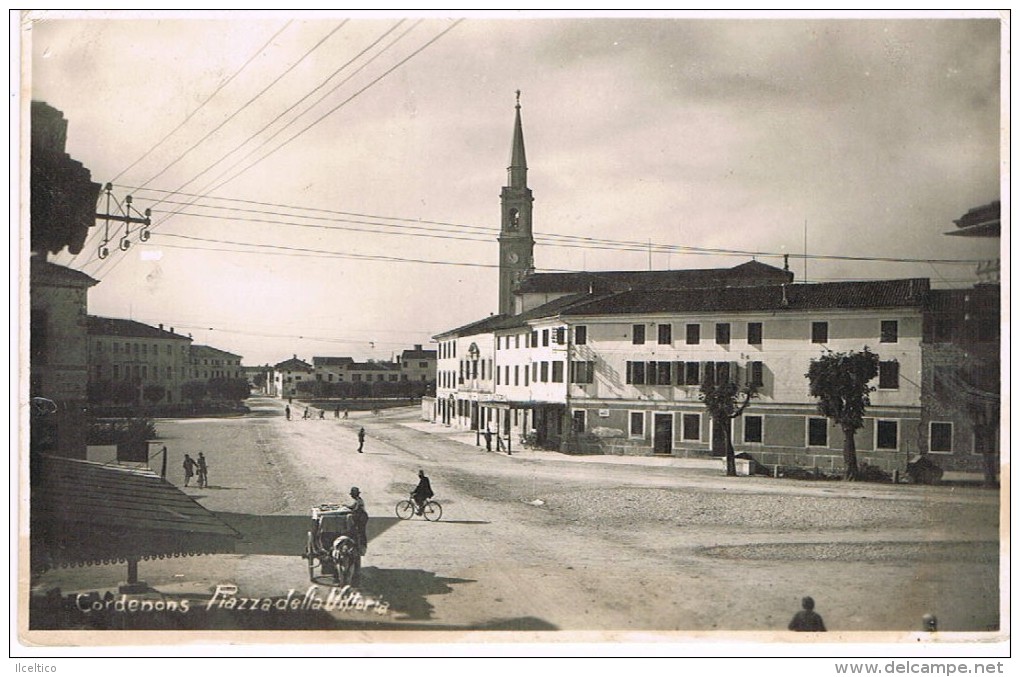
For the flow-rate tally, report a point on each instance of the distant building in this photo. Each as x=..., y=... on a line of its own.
x=134, y=363
x=209, y=363
x=288, y=374
x=418, y=364
x=332, y=369
x=374, y=372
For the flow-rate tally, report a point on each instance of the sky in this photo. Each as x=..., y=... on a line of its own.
x=370, y=225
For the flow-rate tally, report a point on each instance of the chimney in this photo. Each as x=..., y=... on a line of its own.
x=417, y=346
x=786, y=261
x=161, y=326
x=171, y=330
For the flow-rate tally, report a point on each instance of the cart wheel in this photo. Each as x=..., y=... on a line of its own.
x=310, y=556
x=405, y=510
x=432, y=511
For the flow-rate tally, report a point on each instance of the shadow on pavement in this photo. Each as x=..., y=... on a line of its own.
x=406, y=590
x=284, y=534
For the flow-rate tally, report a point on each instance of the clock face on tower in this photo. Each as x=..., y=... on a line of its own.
x=512, y=257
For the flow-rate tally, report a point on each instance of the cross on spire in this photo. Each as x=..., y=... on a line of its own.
x=518, y=98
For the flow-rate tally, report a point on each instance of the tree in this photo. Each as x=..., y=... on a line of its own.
x=726, y=401
x=153, y=393
x=229, y=389
x=193, y=391
x=840, y=381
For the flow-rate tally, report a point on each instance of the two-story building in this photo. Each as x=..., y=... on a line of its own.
x=417, y=364
x=287, y=375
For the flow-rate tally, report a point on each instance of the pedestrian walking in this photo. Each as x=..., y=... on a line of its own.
x=488, y=439
x=306, y=413
x=336, y=414
x=806, y=620
x=203, y=471
x=287, y=410
x=345, y=413
x=189, y=469
x=322, y=414
x=361, y=441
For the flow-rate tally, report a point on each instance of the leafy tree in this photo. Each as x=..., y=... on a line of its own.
x=153, y=393
x=726, y=401
x=194, y=391
x=230, y=389
x=840, y=381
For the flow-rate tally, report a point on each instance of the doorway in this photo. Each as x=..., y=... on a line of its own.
x=663, y=443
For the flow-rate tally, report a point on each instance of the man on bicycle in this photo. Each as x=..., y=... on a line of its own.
x=422, y=492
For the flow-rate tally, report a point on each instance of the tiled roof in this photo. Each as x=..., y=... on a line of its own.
x=418, y=355
x=46, y=272
x=829, y=296
x=476, y=327
x=209, y=351
x=293, y=364
x=112, y=326
x=85, y=512
x=331, y=361
x=745, y=274
x=552, y=308
x=983, y=221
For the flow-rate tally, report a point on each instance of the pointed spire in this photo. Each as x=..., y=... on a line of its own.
x=517, y=172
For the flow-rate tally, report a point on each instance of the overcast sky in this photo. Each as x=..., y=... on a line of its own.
x=868, y=136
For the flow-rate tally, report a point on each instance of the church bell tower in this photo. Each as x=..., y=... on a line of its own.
x=516, y=243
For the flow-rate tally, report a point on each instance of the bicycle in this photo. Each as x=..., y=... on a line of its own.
x=430, y=510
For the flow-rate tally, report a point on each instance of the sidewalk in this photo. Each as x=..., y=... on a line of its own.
x=468, y=437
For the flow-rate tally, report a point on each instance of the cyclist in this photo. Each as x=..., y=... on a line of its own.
x=422, y=492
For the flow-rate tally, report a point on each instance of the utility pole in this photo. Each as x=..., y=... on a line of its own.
x=126, y=214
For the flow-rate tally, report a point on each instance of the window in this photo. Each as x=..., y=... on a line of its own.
x=637, y=424
x=582, y=372
x=423, y=365
x=665, y=334
x=580, y=335
x=753, y=429
x=818, y=432
x=517, y=374
x=756, y=374
x=651, y=373
x=722, y=333
x=887, y=435
x=545, y=337
x=116, y=371
x=890, y=331
x=940, y=438
x=754, y=333
x=557, y=372
x=693, y=334
x=665, y=376
x=889, y=375
x=116, y=347
x=525, y=374
x=497, y=376
x=534, y=372
x=545, y=372
x=534, y=339
x=517, y=340
x=636, y=373
x=722, y=372
x=578, y=420
x=819, y=332
x=692, y=377
x=692, y=427
x=638, y=334
x=560, y=334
